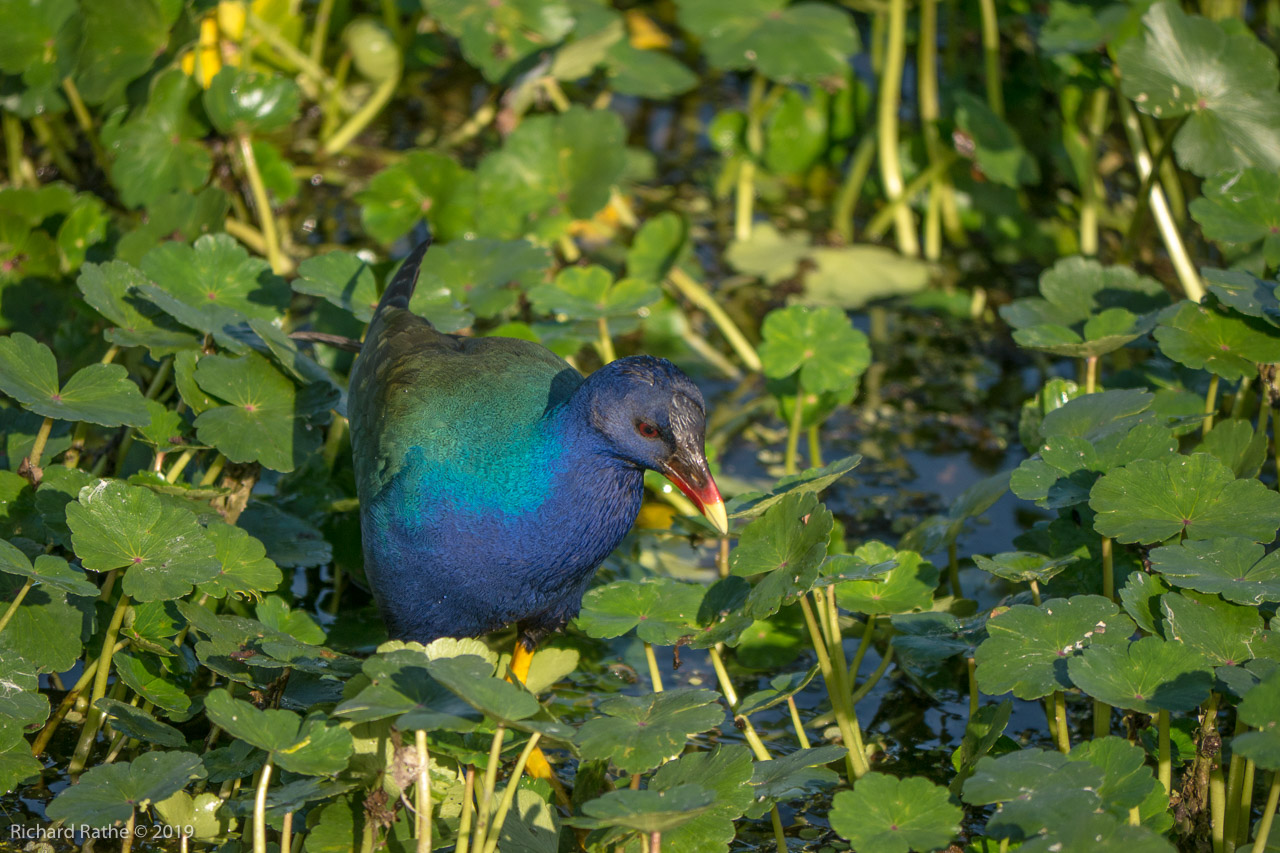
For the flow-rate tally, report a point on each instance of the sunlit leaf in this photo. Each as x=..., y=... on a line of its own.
x=637, y=733
x=1147, y=676
x=895, y=815
x=100, y=393
x=109, y=793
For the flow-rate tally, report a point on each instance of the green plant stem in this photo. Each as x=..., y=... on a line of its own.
x=486, y=793
x=362, y=117
x=1101, y=719
x=801, y=735
x=779, y=837
x=840, y=668
x=1210, y=403
x=1268, y=815
x=46, y=137
x=793, y=434
x=942, y=211
x=159, y=378
x=68, y=702
x=1165, y=168
x=286, y=833
x=1035, y=592
x=605, y=342
x=1242, y=394
x=1217, y=807
x=93, y=718
x=311, y=69
x=266, y=216
x=1165, y=770
x=1060, y=720
x=211, y=474
x=320, y=34
x=13, y=605
x=701, y=297
x=815, y=447
x=865, y=687
x=422, y=793
x=1246, y=804
x=468, y=811
x=1091, y=374
x=42, y=439
x=745, y=191
x=1235, y=785
x=508, y=795
x=851, y=189
x=175, y=470
x=260, y=809
x=887, y=215
x=868, y=632
x=126, y=842
x=21, y=172
x=81, y=112
x=1192, y=287
x=655, y=674
x=731, y=696
x=991, y=56
x=887, y=129
x=1108, y=569
x=1099, y=105
x=857, y=763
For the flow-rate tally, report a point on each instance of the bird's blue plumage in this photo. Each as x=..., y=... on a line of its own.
x=493, y=479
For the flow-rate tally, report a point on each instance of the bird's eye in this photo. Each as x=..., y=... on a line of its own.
x=646, y=429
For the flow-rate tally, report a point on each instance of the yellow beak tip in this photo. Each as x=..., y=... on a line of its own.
x=718, y=517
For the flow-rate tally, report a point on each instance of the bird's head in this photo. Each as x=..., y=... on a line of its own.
x=653, y=416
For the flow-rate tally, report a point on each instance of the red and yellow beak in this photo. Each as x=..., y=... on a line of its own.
x=693, y=478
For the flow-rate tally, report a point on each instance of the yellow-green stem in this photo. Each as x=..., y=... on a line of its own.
x=13, y=605
x=864, y=644
x=1098, y=109
x=319, y=34
x=1268, y=815
x=175, y=470
x=21, y=172
x=309, y=68
x=1101, y=718
x=1235, y=784
x=1108, y=569
x=126, y=843
x=362, y=117
x=1165, y=757
x=42, y=439
x=605, y=342
x=94, y=717
x=1091, y=374
x=887, y=128
x=211, y=475
x=971, y=667
x=815, y=447
x=1242, y=394
x=991, y=55
x=701, y=297
x=779, y=837
x=260, y=809
x=793, y=434
x=886, y=216
x=1060, y=720
x=286, y=833
x=655, y=674
x=468, y=810
x=874, y=678
x=1210, y=403
x=422, y=794
x=486, y=793
x=801, y=735
x=851, y=189
x=826, y=601
x=855, y=761
x=1217, y=807
x=508, y=796
x=1035, y=592
x=1246, y=804
x=266, y=217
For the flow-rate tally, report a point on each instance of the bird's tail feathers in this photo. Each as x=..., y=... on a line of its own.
x=400, y=289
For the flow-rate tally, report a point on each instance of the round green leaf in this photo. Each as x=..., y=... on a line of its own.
x=343, y=279
x=998, y=151
x=787, y=545
x=662, y=610
x=1224, y=81
x=310, y=747
x=1245, y=293
x=725, y=773
x=216, y=280
x=137, y=723
x=803, y=42
x=110, y=793
x=647, y=811
x=1153, y=500
x=819, y=342
x=1023, y=566
x=1260, y=709
x=1036, y=790
x=100, y=393
x=892, y=815
x=907, y=586
x=1146, y=676
x=243, y=101
x=50, y=571
x=1242, y=206
x=498, y=35
x=245, y=570
x=160, y=545
x=590, y=293
x=646, y=73
x=44, y=632
x=1028, y=648
x=120, y=43
x=401, y=686
x=1221, y=342
x=637, y=733
x=1237, y=569
x=491, y=273
x=793, y=775
x=1226, y=634
x=425, y=186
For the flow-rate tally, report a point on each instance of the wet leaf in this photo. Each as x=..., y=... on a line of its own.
x=1223, y=81
x=1224, y=633
x=662, y=610
x=1028, y=648
x=801, y=42
x=1236, y=569
x=162, y=548
x=1147, y=676
x=310, y=747
x=100, y=393
x=884, y=813
x=1197, y=496
x=637, y=733
x=20, y=698
x=243, y=101
x=787, y=545
x=820, y=343
x=110, y=792
x=44, y=632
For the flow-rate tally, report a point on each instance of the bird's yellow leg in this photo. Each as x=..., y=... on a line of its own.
x=521, y=660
